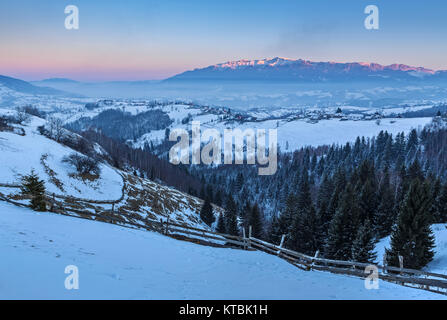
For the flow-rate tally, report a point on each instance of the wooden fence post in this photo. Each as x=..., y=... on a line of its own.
x=281, y=244
x=401, y=263
x=53, y=203
x=315, y=257
x=249, y=236
x=167, y=227
x=245, y=238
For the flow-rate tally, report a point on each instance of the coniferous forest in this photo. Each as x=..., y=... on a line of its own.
x=338, y=200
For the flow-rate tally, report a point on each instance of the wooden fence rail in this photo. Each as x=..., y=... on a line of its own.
x=433, y=281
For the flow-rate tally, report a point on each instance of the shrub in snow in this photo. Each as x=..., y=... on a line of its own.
x=21, y=116
x=84, y=165
x=31, y=110
x=55, y=128
x=4, y=126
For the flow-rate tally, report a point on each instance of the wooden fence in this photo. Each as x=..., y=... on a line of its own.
x=430, y=281
x=434, y=282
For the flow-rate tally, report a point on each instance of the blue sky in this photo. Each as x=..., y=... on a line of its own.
x=152, y=39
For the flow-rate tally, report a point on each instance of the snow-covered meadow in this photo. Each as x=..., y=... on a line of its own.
x=292, y=134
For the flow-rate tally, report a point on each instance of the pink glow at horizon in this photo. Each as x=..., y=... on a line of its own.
x=86, y=69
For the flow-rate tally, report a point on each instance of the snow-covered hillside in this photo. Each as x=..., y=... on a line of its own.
x=439, y=263
x=33, y=151
x=119, y=263
x=293, y=133
x=134, y=199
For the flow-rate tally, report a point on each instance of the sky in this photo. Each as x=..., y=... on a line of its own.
x=156, y=39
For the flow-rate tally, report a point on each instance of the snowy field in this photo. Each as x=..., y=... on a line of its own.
x=20, y=154
x=300, y=133
x=294, y=134
x=118, y=263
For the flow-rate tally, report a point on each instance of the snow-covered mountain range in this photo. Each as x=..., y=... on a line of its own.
x=283, y=69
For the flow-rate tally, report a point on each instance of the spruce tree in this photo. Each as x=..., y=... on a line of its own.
x=343, y=227
x=218, y=198
x=274, y=232
x=255, y=222
x=245, y=214
x=363, y=246
x=412, y=237
x=412, y=145
x=304, y=196
x=221, y=224
x=306, y=236
x=206, y=213
x=231, y=222
x=385, y=216
x=239, y=183
x=34, y=187
x=287, y=216
x=441, y=205
x=324, y=196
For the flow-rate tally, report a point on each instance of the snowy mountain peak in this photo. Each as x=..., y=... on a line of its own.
x=280, y=61
x=286, y=69
x=264, y=62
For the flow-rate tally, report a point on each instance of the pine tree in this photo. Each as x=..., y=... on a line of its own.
x=34, y=187
x=363, y=246
x=232, y=227
x=245, y=214
x=255, y=222
x=441, y=205
x=435, y=193
x=385, y=216
x=239, y=183
x=412, y=144
x=412, y=237
x=221, y=224
x=307, y=233
x=218, y=198
x=324, y=196
x=231, y=223
x=365, y=190
x=210, y=193
x=285, y=220
x=415, y=172
x=343, y=227
x=206, y=213
x=274, y=232
x=304, y=196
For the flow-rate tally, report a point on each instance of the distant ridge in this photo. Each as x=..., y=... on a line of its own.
x=58, y=80
x=26, y=87
x=307, y=71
